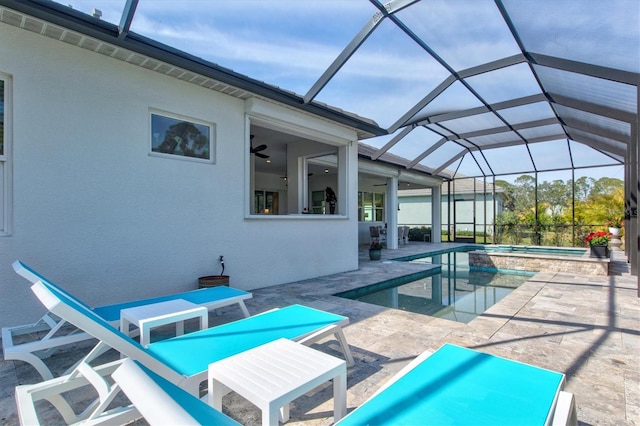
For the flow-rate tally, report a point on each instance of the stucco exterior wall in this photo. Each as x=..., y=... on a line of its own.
x=98, y=215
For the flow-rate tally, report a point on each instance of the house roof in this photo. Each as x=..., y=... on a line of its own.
x=547, y=85
x=74, y=27
x=462, y=186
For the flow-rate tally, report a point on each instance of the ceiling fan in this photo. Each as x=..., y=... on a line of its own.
x=257, y=149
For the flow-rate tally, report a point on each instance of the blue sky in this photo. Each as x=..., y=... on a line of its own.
x=289, y=43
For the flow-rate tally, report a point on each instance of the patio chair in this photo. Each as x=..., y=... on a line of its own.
x=374, y=234
x=59, y=334
x=456, y=385
x=182, y=360
x=405, y=235
x=161, y=402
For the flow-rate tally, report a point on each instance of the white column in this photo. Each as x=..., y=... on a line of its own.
x=252, y=184
x=436, y=214
x=392, y=213
x=633, y=227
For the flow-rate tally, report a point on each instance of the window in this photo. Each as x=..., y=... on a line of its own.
x=5, y=170
x=181, y=137
x=370, y=207
x=290, y=174
x=266, y=202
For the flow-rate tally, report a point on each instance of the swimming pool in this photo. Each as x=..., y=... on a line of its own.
x=454, y=291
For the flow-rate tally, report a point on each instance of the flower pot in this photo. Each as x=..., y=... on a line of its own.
x=375, y=254
x=213, y=281
x=615, y=232
x=599, y=251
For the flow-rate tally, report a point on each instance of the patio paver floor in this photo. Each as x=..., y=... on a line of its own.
x=585, y=327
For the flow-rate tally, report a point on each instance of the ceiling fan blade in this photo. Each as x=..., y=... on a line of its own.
x=258, y=154
x=258, y=148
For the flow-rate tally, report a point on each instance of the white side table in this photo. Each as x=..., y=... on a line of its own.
x=147, y=317
x=272, y=375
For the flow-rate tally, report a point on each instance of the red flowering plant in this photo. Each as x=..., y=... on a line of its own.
x=375, y=246
x=599, y=238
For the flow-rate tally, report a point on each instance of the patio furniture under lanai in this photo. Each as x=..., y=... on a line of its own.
x=57, y=334
x=183, y=360
x=455, y=386
x=161, y=402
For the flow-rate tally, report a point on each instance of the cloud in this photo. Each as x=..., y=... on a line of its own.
x=252, y=52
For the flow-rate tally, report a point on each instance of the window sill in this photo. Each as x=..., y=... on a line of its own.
x=299, y=216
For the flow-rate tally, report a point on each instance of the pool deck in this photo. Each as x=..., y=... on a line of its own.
x=587, y=327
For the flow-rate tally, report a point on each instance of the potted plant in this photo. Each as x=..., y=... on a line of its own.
x=214, y=280
x=375, y=250
x=615, y=227
x=598, y=243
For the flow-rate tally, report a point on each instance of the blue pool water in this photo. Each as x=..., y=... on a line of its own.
x=555, y=251
x=454, y=291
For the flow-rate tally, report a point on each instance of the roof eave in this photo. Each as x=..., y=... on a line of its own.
x=71, y=19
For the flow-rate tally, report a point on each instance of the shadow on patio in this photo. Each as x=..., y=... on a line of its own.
x=584, y=326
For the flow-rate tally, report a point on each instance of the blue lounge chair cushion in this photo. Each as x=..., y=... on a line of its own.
x=458, y=386
x=192, y=353
x=203, y=413
x=199, y=297
x=111, y=313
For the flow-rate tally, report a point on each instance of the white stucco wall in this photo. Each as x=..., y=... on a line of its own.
x=99, y=216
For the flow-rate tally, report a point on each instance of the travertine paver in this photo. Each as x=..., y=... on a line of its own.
x=584, y=326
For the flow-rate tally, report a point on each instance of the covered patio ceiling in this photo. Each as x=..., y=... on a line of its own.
x=455, y=87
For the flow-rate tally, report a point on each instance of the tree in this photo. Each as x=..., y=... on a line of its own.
x=606, y=185
x=507, y=195
x=597, y=202
x=583, y=187
x=605, y=202
x=608, y=207
x=556, y=194
x=524, y=195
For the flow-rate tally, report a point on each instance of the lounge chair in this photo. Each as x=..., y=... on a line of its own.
x=161, y=402
x=455, y=385
x=182, y=360
x=58, y=333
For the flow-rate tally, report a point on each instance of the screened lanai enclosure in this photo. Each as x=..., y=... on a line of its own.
x=488, y=90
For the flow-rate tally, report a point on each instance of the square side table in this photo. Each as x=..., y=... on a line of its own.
x=272, y=375
x=147, y=317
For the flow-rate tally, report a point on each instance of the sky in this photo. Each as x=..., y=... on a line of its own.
x=289, y=44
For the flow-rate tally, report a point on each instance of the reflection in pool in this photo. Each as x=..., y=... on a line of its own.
x=456, y=293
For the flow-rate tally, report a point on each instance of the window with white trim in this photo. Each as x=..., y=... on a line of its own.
x=291, y=174
x=370, y=207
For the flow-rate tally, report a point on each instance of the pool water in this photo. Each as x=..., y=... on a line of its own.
x=454, y=291
x=555, y=251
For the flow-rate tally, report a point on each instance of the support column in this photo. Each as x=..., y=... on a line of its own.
x=252, y=185
x=392, y=213
x=436, y=214
x=631, y=214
